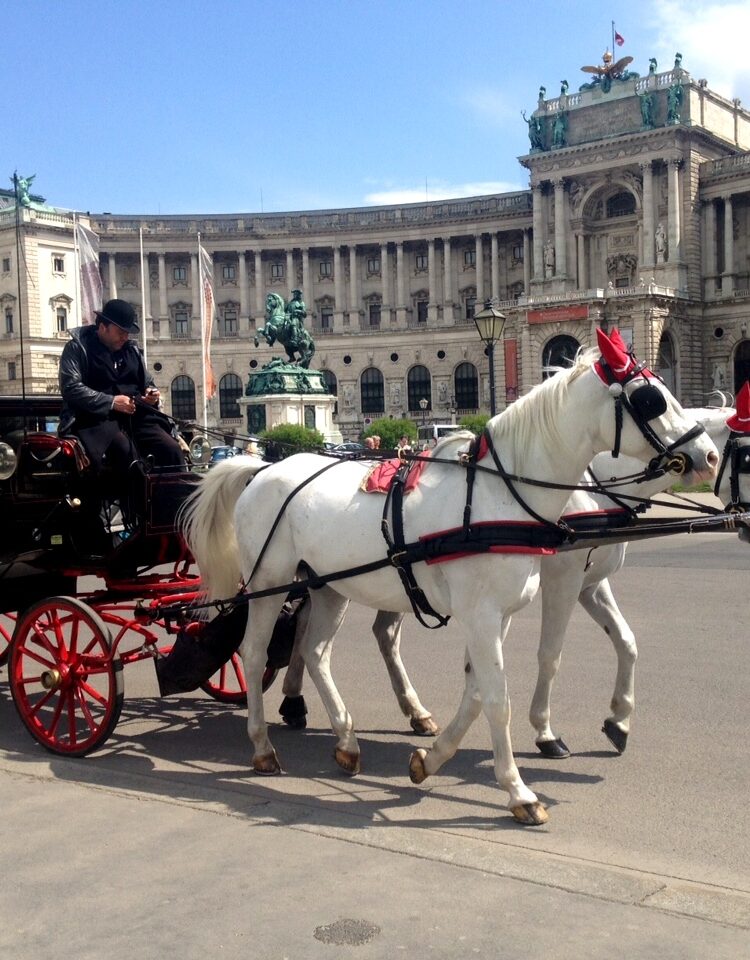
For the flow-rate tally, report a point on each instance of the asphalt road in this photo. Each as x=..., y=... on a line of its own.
x=645, y=853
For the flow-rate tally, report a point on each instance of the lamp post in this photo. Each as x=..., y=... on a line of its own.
x=490, y=323
x=423, y=407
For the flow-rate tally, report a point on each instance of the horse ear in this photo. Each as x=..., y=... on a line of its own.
x=614, y=353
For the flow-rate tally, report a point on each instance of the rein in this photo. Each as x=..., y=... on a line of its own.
x=738, y=458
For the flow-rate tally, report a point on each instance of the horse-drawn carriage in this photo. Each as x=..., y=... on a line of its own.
x=83, y=584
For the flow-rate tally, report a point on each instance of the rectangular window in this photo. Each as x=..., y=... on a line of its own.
x=228, y=271
x=181, y=324
x=326, y=268
x=374, y=314
x=58, y=264
x=9, y=321
x=230, y=323
x=326, y=318
x=373, y=265
x=470, y=258
x=62, y=319
x=421, y=261
x=6, y=264
x=471, y=304
x=517, y=253
x=277, y=271
x=179, y=274
x=421, y=311
x=11, y=369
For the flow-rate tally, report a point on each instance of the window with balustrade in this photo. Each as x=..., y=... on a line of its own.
x=372, y=391
x=466, y=386
x=418, y=387
x=182, y=393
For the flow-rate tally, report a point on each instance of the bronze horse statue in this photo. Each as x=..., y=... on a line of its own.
x=287, y=330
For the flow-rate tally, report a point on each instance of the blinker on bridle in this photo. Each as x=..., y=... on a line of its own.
x=738, y=457
x=644, y=404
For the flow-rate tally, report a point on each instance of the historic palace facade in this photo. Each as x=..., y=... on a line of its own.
x=637, y=216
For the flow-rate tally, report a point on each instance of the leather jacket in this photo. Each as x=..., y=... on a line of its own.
x=78, y=398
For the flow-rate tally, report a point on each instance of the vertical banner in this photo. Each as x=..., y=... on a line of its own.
x=87, y=244
x=205, y=267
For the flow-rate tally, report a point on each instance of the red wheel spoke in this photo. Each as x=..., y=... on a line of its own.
x=71, y=708
x=93, y=725
x=92, y=692
x=32, y=655
x=42, y=702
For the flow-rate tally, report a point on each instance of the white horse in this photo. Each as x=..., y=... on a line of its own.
x=566, y=577
x=300, y=516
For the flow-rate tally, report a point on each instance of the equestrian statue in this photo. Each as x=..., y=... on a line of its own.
x=285, y=324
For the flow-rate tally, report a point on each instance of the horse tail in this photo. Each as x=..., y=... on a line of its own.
x=207, y=523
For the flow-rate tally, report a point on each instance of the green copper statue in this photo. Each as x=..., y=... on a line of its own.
x=286, y=324
x=21, y=185
x=647, y=110
x=674, y=102
x=536, y=131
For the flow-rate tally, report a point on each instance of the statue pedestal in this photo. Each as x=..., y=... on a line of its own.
x=283, y=393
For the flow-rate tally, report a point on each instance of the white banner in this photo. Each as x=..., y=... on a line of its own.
x=87, y=243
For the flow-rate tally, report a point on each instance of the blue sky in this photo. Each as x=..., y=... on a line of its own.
x=194, y=106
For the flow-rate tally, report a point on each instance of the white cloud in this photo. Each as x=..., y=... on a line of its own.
x=440, y=191
x=489, y=105
x=712, y=38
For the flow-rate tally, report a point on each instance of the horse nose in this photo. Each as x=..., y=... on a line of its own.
x=712, y=459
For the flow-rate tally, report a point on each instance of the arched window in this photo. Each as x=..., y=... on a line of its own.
x=183, y=398
x=559, y=352
x=466, y=387
x=621, y=204
x=418, y=387
x=665, y=363
x=230, y=390
x=372, y=391
x=329, y=379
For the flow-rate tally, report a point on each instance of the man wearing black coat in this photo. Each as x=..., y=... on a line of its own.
x=109, y=400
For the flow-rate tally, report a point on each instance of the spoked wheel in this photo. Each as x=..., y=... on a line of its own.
x=67, y=687
x=228, y=685
x=7, y=626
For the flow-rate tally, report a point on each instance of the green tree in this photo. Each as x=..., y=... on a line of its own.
x=475, y=422
x=391, y=431
x=289, y=438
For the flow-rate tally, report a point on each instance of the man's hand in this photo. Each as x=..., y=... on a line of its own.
x=152, y=397
x=123, y=404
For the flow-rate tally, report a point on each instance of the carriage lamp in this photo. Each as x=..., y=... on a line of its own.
x=490, y=323
x=423, y=407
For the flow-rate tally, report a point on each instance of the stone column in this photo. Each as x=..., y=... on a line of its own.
x=244, y=288
x=400, y=285
x=448, y=293
x=581, y=250
x=647, y=256
x=479, y=268
x=727, y=277
x=259, y=308
x=163, y=312
x=526, y=262
x=307, y=291
x=291, y=277
x=353, y=280
x=147, y=285
x=674, y=236
x=431, y=283
x=112, y=276
x=385, y=282
x=538, y=225
x=338, y=288
x=561, y=257
x=709, y=247
x=195, y=291
x=494, y=268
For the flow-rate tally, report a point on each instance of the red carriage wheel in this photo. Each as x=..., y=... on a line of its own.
x=67, y=687
x=7, y=626
x=228, y=685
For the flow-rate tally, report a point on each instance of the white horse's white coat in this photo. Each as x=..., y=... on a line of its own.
x=552, y=433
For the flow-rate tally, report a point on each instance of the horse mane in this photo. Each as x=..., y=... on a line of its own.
x=536, y=414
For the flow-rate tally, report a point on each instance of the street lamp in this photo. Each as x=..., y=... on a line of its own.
x=490, y=323
x=423, y=407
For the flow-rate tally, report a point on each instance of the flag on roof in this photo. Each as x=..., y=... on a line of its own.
x=619, y=40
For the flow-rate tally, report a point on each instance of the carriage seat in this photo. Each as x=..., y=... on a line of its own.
x=48, y=463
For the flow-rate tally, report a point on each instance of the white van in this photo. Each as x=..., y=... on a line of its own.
x=431, y=433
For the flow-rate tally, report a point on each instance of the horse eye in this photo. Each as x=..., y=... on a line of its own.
x=648, y=402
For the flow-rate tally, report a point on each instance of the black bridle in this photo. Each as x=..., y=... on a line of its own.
x=737, y=455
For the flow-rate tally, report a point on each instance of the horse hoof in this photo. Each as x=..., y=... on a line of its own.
x=617, y=737
x=268, y=765
x=349, y=762
x=417, y=771
x=553, y=749
x=530, y=814
x=424, y=726
x=293, y=712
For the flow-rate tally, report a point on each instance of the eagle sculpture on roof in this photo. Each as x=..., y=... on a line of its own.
x=614, y=71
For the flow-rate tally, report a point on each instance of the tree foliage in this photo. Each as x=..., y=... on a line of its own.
x=289, y=438
x=475, y=422
x=391, y=431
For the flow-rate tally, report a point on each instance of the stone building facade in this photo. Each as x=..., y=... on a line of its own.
x=637, y=216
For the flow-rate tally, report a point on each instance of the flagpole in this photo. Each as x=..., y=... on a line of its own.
x=143, y=302
x=203, y=336
x=77, y=254
x=20, y=303
x=613, y=40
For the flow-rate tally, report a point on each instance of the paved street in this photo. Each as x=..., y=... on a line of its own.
x=163, y=844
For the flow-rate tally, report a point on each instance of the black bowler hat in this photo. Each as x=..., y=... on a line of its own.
x=120, y=313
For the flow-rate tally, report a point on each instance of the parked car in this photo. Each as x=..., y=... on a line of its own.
x=222, y=453
x=348, y=446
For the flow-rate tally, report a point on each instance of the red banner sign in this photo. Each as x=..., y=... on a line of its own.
x=558, y=314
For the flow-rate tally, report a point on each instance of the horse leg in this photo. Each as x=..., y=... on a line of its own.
x=293, y=709
x=561, y=584
x=387, y=630
x=600, y=604
x=261, y=619
x=485, y=688
x=327, y=609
